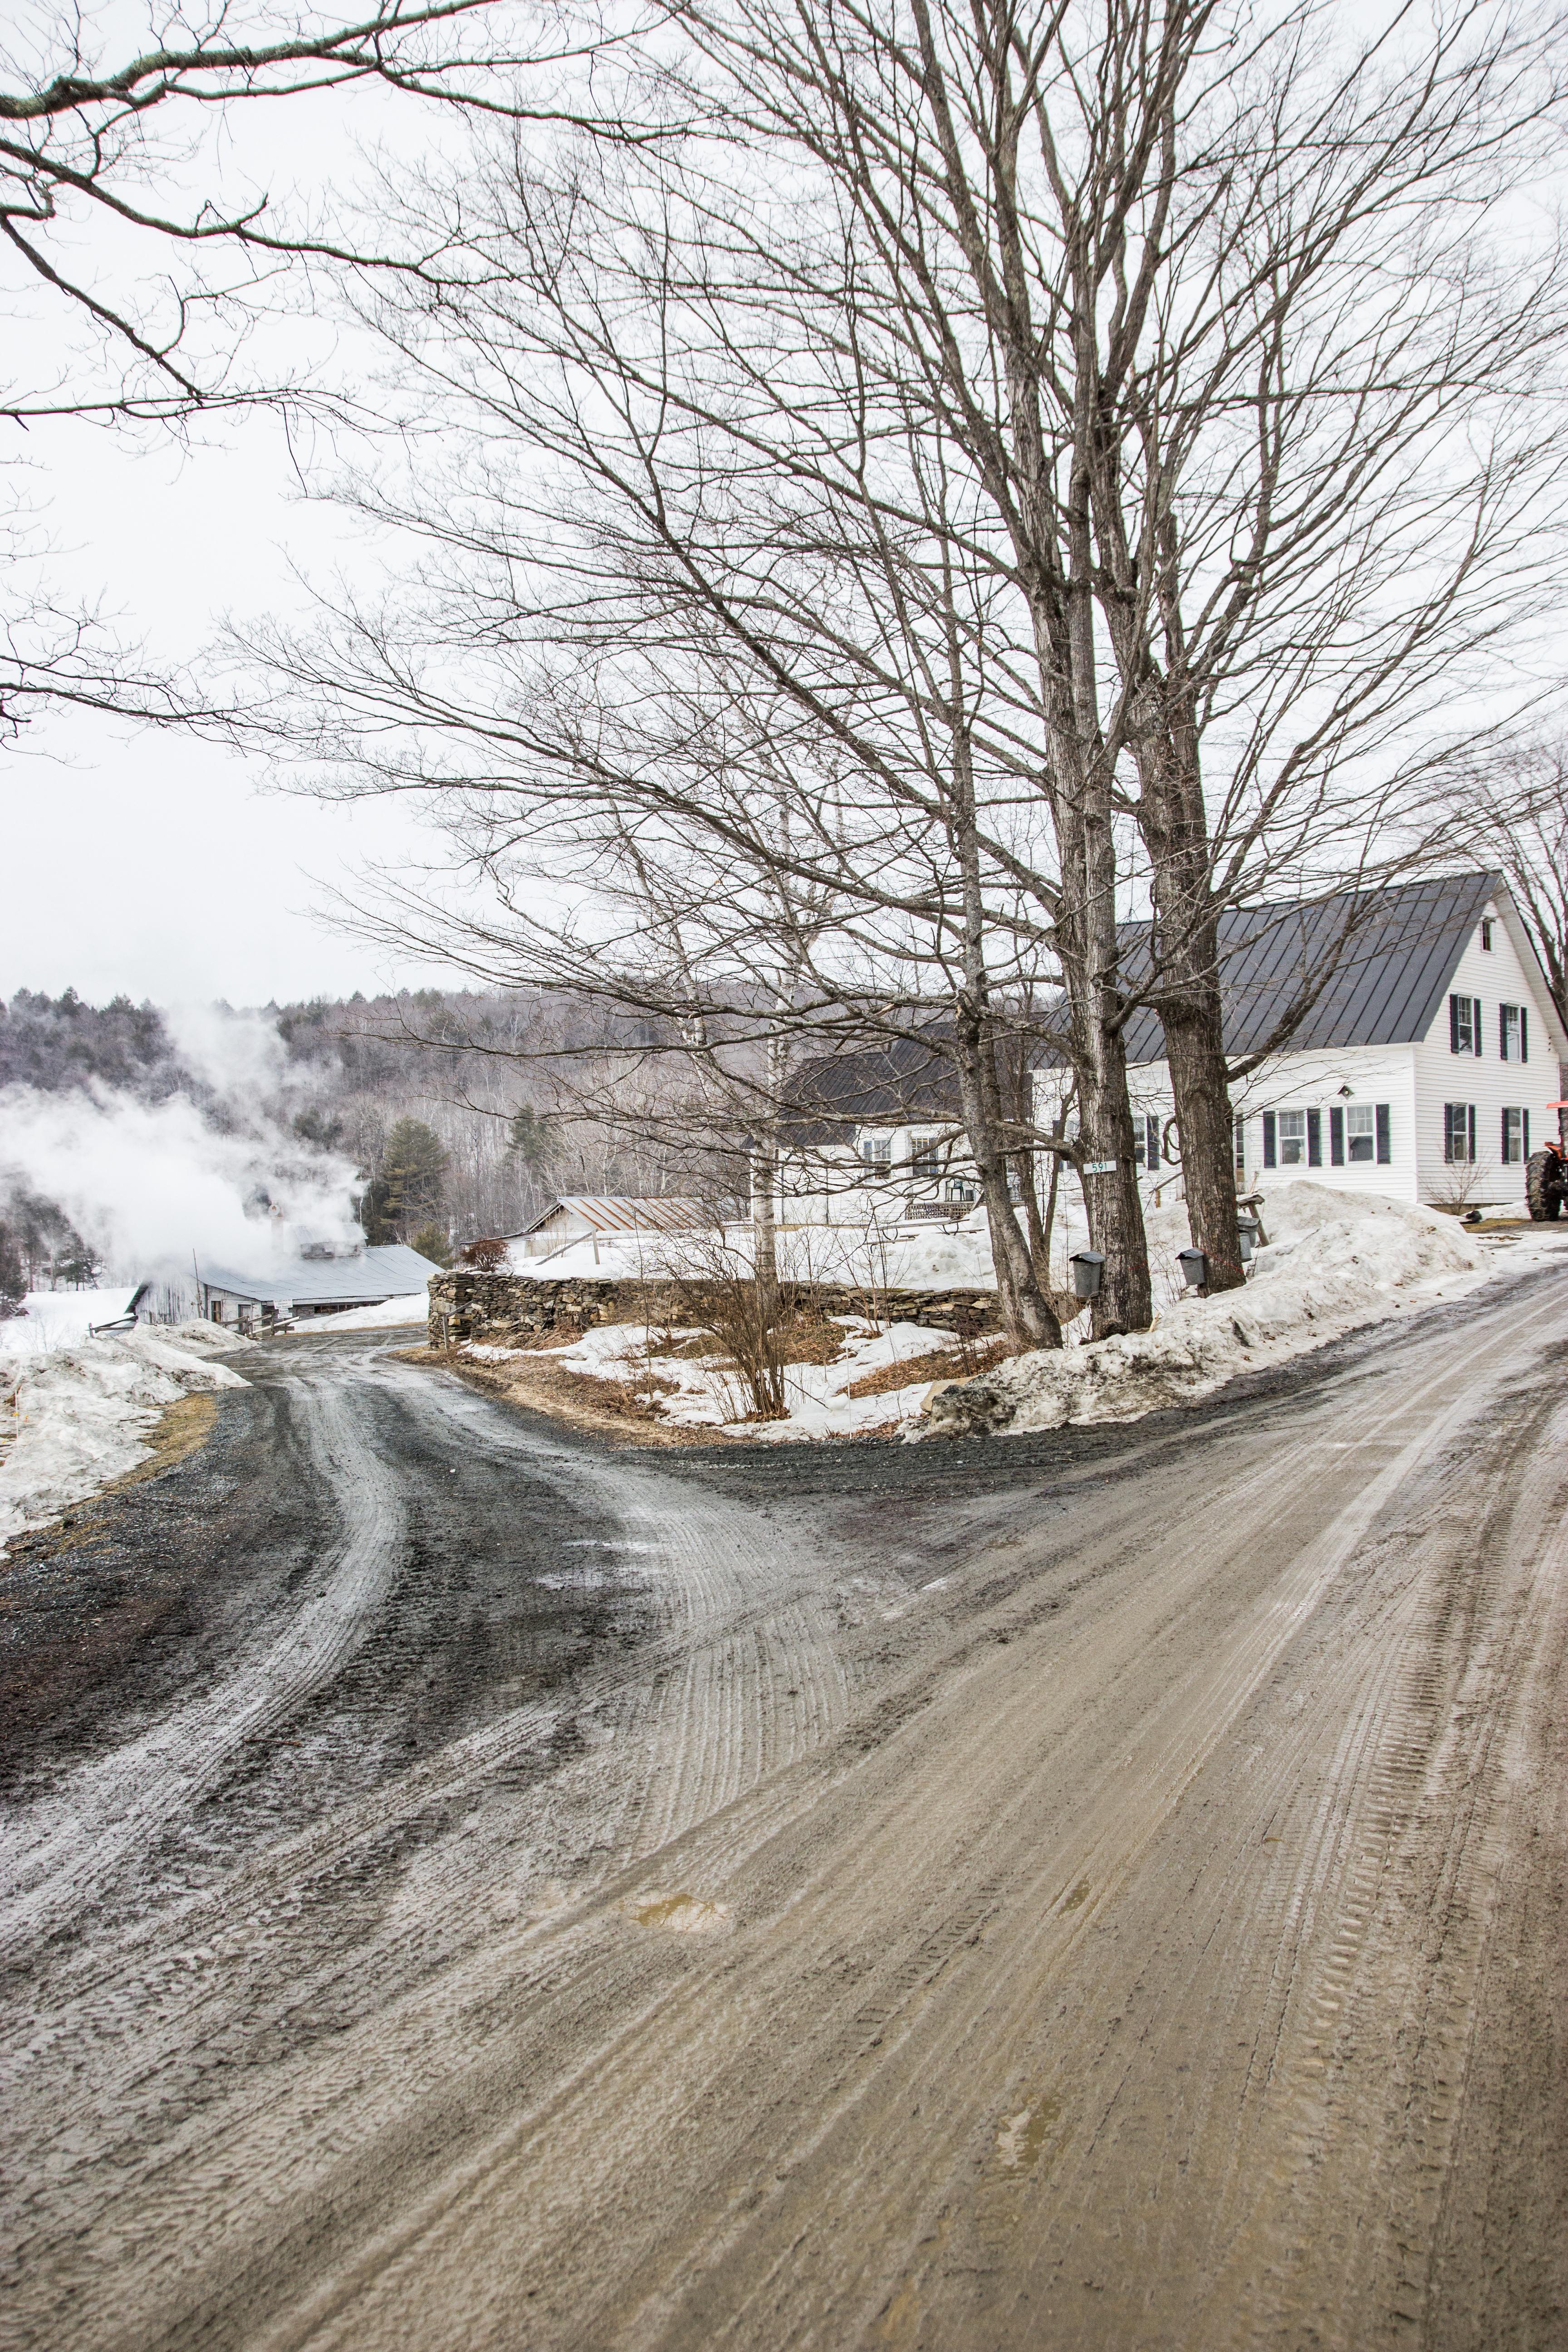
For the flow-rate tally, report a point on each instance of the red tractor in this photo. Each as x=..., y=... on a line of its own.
x=1546, y=1176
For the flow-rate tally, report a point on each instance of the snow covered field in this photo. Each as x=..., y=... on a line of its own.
x=896, y=1257
x=82, y=1411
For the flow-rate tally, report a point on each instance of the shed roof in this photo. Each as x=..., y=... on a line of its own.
x=391, y=1270
x=615, y=1212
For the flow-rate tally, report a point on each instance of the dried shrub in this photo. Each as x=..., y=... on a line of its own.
x=747, y=1318
x=935, y=1364
x=487, y=1257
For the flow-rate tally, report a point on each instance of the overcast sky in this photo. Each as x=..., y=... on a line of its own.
x=139, y=859
x=144, y=861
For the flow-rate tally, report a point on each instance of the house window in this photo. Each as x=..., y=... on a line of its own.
x=1460, y=1133
x=1464, y=1024
x=1146, y=1141
x=927, y=1159
x=961, y=1192
x=1361, y=1133
x=1240, y=1145
x=1513, y=1033
x=877, y=1151
x=1292, y=1131
x=1515, y=1137
x=1487, y=934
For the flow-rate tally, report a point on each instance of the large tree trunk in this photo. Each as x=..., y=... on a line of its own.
x=1026, y=1312
x=1088, y=945
x=1174, y=826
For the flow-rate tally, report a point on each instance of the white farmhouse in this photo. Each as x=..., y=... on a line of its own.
x=876, y=1134
x=1426, y=1068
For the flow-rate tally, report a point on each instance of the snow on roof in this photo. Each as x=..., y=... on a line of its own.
x=612, y=1212
x=391, y=1271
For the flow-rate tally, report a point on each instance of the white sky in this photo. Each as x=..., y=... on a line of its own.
x=139, y=859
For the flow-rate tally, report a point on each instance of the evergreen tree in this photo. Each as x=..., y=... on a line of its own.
x=406, y=1192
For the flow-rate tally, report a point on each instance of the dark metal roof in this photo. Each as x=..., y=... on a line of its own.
x=1397, y=952
x=900, y=1078
x=1389, y=956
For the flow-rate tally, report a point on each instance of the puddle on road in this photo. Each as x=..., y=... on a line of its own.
x=681, y=1915
x=1023, y=2135
x=1080, y=1895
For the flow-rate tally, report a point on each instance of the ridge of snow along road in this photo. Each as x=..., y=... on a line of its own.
x=84, y=1411
x=1335, y=1263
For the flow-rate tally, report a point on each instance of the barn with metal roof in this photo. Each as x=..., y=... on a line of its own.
x=320, y=1284
x=574, y=1216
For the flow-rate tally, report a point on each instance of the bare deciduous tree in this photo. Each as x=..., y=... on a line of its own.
x=1100, y=426
x=1509, y=813
x=97, y=157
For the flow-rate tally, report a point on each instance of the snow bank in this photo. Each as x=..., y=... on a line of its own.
x=1335, y=1261
x=391, y=1315
x=57, y=1318
x=83, y=1413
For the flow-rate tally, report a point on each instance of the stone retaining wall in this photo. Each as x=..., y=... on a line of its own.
x=504, y=1309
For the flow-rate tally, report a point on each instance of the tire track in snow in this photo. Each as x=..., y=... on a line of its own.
x=59, y=1848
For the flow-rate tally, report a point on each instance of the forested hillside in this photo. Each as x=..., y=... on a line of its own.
x=462, y=1113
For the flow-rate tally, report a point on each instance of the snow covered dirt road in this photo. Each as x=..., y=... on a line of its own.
x=1103, y=1888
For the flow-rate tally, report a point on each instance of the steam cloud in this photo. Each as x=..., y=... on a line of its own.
x=148, y=1184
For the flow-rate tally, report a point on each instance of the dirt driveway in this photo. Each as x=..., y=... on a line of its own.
x=465, y=1889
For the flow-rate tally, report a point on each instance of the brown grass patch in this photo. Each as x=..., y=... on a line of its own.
x=688, y=1349
x=611, y=1409
x=936, y=1364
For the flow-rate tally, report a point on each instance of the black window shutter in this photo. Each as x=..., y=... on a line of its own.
x=1502, y=1033
x=1336, y=1138
x=1524, y=1032
x=1470, y=1155
x=1504, y=1153
x=1476, y=1026
x=1524, y=1120
x=1314, y=1139
x=1271, y=1131
x=1385, y=1153
x=1153, y=1125
x=1453, y=1024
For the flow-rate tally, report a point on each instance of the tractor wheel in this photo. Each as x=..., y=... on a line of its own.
x=1544, y=1186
